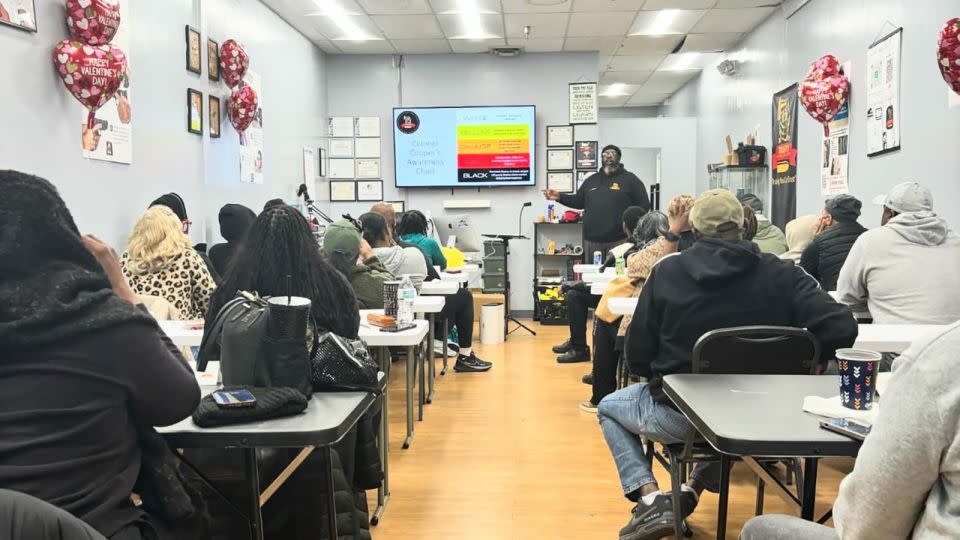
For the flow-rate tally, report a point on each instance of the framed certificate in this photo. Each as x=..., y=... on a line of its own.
x=586, y=154
x=341, y=148
x=367, y=126
x=398, y=206
x=367, y=148
x=368, y=168
x=559, y=136
x=561, y=181
x=583, y=103
x=343, y=190
x=370, y=190
x=342, y=168
x=341, y=126
x=559, y=159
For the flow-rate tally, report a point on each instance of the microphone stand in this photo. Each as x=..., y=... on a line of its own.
x=505, y=238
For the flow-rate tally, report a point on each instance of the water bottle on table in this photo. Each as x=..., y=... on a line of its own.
x=405, y=295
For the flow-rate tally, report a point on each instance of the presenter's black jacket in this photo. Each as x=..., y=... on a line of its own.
x=604, y=198
x=825, y=255
x=717, y=284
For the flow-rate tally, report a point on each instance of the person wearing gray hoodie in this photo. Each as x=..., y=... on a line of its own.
x=908, y=270
x=398, y=260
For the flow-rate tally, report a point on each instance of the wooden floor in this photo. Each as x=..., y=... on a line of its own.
x=508, y=454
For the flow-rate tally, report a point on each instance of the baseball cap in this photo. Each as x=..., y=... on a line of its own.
x=906, y=197
x=843, y=207
x=716, y=211
x=342, y=237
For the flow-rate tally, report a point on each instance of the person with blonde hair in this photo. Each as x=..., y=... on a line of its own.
x=159, y=261
x=800, y=233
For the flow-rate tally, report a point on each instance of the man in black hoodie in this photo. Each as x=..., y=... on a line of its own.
x=235, y=221
x=719, y=282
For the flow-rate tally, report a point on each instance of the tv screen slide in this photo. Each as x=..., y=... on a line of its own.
x=464, y=146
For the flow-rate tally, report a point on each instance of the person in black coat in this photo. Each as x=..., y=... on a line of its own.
x=23, y=516
x=838, y=230
x=235, y=221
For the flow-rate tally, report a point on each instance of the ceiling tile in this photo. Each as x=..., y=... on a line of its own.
x=542, y=25
x=475, y=46
x=667, y=82
x=408, y=26
x=679, y=4
x=673, y=21
x=612, y=101
x=603, y=61
x=710, y=42
x=647, y=62
x=452, y=6
x=350, y=7
x=421, y=46
x=746, y=3
x=331, y=30
x=626, y=77
x=537, y=44
x=326, y=46
x=617, y=89
x=611, y=23
x=366, y=47
x=491, y=26
x=605, y=45
x=649, y=44
x=395, y=7
x=689, y=61
x=548, y=6
x=732, y=20
x=646, y=100
x=582, y=6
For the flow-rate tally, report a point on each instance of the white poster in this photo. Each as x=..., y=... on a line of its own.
x=367, y=126
x=883, y=95
x=368, y=148
x=834, y=169
x=309, y=166
x=583, y=103
x=251, y=140
x=111, y=138
x=341, y=126
x=341, y=148
x=341, y=168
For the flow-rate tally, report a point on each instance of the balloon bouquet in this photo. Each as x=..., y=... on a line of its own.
x=825, y=90
x=948, y=53
x=242, y=106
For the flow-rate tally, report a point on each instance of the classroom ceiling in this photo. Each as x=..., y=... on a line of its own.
x=648, y=49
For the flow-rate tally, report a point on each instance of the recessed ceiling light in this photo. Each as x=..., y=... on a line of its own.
x=471, y=22
x=614, y=90
x=665, y=22
x=349, y=29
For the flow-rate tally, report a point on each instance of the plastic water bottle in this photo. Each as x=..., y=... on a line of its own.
x=405, y=295
x=621, y=266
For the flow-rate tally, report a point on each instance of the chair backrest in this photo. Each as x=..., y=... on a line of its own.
x=756, y=350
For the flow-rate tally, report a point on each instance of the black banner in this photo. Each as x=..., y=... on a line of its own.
x=784, y=161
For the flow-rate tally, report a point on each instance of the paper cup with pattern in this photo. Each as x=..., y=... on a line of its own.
x=858, y=377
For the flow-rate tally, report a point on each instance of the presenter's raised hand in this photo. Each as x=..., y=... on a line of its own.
x=551, y=194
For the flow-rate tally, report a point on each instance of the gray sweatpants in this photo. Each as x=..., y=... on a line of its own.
x=774, y=527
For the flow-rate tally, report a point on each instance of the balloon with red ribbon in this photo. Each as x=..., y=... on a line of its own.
x=91, y=73
x=242, y=107
x=824, y=91
x=948, y=53
x=233, y=62
x=93, y=22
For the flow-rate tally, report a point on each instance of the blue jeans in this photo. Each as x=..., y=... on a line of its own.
x=630, y=413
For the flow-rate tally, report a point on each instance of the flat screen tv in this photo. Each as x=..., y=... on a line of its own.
x=464, y=147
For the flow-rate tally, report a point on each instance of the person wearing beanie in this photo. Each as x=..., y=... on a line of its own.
x=800, y=233
x=604, y=196
x=721, y=281
x=769, y=237
x=349, y=253
x=908, y=270
x=174, y=202
x=235, y=221
x=836, y=233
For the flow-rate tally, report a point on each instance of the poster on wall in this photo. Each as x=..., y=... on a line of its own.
x=835, y=162
x=583, y=103
x=251, y=140
x=784, y=161
x=19, y=13
x=309, y=166
x=883, y=94
x=111, y=137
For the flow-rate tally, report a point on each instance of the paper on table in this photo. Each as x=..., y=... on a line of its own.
x=832, y=408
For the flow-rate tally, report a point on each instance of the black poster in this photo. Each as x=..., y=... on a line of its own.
x=784, y=162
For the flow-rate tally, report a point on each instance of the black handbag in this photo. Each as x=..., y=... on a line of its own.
x=340, y=364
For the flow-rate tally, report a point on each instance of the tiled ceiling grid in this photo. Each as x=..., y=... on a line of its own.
x=648, y=49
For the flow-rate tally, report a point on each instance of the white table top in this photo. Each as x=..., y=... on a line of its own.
x=459, y=277
x=180, y=334
x=373, y=337
x=587, y=268
x=439, y=286
x=428, y=304
x=623, y=306
x=894, y=338
x=601, y=277
x=599, y=288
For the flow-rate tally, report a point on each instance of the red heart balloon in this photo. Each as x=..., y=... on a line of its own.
x=948, y=53
x=242, y=107
x=93, y=22
x=233, y=62
x=824, y=90
x=91, y=73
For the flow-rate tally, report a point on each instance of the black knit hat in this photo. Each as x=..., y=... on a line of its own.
x=174, y=202
x=615, y=148
x=843, y=207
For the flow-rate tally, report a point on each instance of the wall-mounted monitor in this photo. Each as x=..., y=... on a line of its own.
x=465, y=147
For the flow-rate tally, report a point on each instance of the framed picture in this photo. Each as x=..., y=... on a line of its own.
x=213, y=60
x=193, y=50
x=561, y=181
x=559, y=136
x=19, y=14
x=586, y=154
x=559, y=159
x=323, y=161
x=341, y=148
x=341, y=168
x=583, y=103
x=343, y=190
x=214, y=104
x=581, y=177
x=194, y=111
x=368, y=168
x=398, y=206
x=370, y=190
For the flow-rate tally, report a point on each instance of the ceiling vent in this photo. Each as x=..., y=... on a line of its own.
x=506, y=52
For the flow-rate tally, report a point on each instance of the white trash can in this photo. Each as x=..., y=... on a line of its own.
x=491, y=323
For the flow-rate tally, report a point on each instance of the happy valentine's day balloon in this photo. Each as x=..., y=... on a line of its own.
x=93, y=22
x=233, y=62
x=242, y=107
x=824, y=90
x=948, y=53
x=91, y=73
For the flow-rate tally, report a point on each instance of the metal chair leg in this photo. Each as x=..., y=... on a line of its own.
x=675, y=467
x=758, y=511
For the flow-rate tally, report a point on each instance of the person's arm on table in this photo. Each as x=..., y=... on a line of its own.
x=642, y=342
x=816, y=311
x=852, y=282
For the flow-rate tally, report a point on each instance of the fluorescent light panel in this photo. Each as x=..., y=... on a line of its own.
x=349, y=29
x=471, y=22
x=665, y=22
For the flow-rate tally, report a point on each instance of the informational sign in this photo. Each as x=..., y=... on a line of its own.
x=111, y=138
x=784, y=161
x=834, y=167
x=583, y=103
x=251, y=140
x=883, y=94
x=309, y=166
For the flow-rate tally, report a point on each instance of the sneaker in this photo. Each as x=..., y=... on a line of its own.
x=650, y=522
x=474, y=359
x=688, y=500
x=587, y=379
x=588, y=406
x=563, y=347
x=452, y=348
x=470, y=364
x=574, y=355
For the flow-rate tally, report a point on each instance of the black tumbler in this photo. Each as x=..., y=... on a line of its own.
x=287, y=359
x=390, y=289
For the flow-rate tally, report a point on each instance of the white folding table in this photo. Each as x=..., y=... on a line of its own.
x=430, y=306
x=181, y=333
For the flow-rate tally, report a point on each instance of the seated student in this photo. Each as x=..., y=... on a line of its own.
x=397, y=260
x=235, y=220
x=769, y=237
x=837, y=231
x=908, y=270
x=749, y=223
x=175, y=202
x=904, y=483
x=631, y=216
x=413, y=229
x=160, y=262
x=799, y=233
x=81, y=367
x=390, y=215
x=349, y=253
x=719, y=282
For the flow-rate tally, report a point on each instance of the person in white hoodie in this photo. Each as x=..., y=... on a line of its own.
x=908, y=270
x=906, y=482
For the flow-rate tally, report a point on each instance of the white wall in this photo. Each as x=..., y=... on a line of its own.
x=778, y=54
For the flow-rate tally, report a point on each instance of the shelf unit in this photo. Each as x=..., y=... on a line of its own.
x=562, y=233
x=743, y=179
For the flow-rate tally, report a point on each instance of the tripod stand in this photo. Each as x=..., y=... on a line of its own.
x=505, y=238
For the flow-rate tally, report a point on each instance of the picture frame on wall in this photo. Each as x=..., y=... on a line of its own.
x=586, y=154
x=322, y=152
x=584, y=108
x=561, y=181
x=559, y=159
x=370, y=190
x=213, y=60
x=398, y=206
x=213, y=103
x=20, y=14
x=559, y=136
x=194, y=111
x=194, y=63
x=343, y=191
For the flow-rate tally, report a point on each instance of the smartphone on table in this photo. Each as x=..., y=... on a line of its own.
x=229, y=399
x=850, y=428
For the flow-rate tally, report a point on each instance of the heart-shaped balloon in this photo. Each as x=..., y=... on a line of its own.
x=233, y=62
x=93, y=22
x=948, y=53
x=242, y=107
x=824, y=90
x=91, y=73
